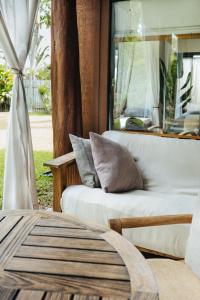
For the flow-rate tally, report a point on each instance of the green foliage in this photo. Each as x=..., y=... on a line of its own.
x=188, y=80
x=45, y=13
x=44, y=73
x=135, y=121
x=186, y=97
x=39, y=68
x=45, y=96
x=41, y=53
x=170, y=77
x=6, y=84
x=43, y=183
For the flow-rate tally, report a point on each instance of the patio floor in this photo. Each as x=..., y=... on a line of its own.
x=41, y=129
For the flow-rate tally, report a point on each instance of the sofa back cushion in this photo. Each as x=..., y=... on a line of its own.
x=167, y=164
x=192, y=257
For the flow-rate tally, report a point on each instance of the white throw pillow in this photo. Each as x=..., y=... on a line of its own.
x=192, y=257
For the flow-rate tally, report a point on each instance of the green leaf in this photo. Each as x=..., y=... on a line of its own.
x=187, y=80
x=186, y=94
x=186, y=102
x=163, y=68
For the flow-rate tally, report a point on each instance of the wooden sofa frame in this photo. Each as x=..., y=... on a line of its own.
x=136, y=222
x=65, y=172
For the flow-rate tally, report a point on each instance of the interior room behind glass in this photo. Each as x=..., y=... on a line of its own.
x=155, y=66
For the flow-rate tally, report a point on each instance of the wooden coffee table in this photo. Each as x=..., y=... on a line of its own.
x=51, y=256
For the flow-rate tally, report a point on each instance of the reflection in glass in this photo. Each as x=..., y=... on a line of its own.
x=155, y=66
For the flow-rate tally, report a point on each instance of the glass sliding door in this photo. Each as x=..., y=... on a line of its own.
x=155, y=66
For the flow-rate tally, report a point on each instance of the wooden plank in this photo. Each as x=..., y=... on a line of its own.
x=73, y=285
x=70, y=255
x=91, y=226
x=143, y=285
x=1, y=218
x=57, y=223
x=60, y=242
x=13, y=241
x=7, y=224
x=85, y=297
x=65, y=232
x=19, y=212
x=58, y=296
x=68, y=268
x=7, y=294
x=30, y=295
x=164, y=135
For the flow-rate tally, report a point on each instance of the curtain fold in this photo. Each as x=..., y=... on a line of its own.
x=195, y=81
x=152, y=49
x=144, y=89
x=16, y=27
x=124, y=69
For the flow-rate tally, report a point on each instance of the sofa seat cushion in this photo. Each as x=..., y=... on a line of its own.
x=175, y=280
x=94, y=205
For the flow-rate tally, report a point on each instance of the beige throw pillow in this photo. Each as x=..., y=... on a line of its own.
x=115, y=166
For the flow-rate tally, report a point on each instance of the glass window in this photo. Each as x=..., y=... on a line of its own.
x=155, y=66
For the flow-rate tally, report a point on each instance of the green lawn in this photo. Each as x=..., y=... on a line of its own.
x=44, y=183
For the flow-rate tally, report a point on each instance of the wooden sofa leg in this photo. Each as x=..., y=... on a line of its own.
x=57, y=188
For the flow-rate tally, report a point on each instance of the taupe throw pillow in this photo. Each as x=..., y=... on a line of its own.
x=116, y=168
x=84, y=160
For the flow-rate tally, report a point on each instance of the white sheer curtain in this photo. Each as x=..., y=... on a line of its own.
x=16, y=26
x=152, y=50
x=124, y=69
x=196, y=81
x=144, y=88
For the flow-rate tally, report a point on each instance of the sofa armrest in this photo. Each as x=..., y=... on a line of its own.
x=119, y=224
x=65, y=172
x=61, y=161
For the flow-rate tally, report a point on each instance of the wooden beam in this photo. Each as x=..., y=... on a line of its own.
x=163, y=37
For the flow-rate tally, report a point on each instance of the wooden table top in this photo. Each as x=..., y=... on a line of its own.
x=51, y=256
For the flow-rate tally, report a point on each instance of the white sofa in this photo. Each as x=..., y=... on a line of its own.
x=171, y=169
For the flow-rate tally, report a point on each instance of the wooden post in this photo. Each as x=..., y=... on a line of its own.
x=104, y=65
x=79, y=106
x=93, y=28
x=66, y=89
